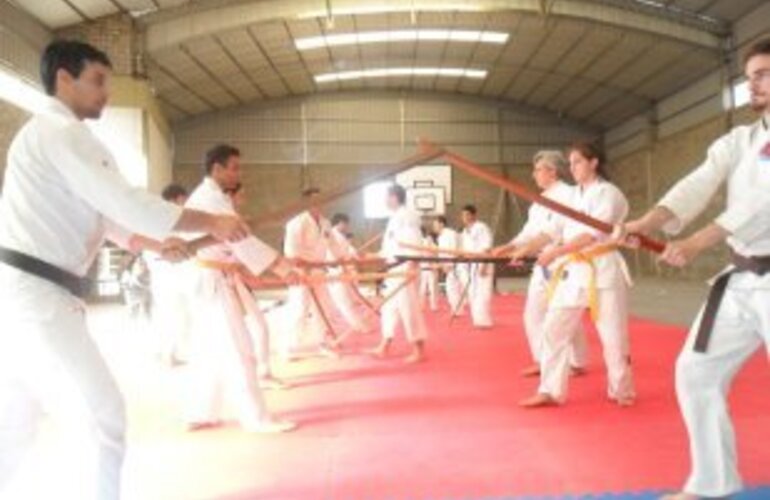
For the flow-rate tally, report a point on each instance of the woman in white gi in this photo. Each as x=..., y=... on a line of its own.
x=403, y=307
x=477, y=238
x=590, y=273
x=345, y=296
x=449, y=239
x=548, y=169
x=740, y=321
x=62, y=196
x=222, y=362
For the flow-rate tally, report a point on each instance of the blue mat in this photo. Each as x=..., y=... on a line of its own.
x=755, y=493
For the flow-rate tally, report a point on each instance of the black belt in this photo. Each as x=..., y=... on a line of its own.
x=77, y=286
x=756, y=265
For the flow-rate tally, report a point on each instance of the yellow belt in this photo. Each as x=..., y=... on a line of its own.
x=584, y=257
x=227, y=267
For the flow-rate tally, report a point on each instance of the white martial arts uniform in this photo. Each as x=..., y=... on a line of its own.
x=307, y=239
x=453, y=285
x=429, y=279
x=478, y=238
x=742, y=323
x=343, y=293
x=62, y=195
x=403, y=227
x=603, y=201
x=222, y=362
x=539, y=218
x=170, y=284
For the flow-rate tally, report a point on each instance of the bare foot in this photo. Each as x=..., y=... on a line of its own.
x=272, y=383
x=328, y=351
x=538, y=401
x=578, y=371
x=626, y=401
x=414, y=358
x=271, y=426
x=202, y=426
x=531, y=371
x=679, y=496
x=381, y=351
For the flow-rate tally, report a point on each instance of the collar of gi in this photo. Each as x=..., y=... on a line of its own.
x=212, y=184
x=55, y=106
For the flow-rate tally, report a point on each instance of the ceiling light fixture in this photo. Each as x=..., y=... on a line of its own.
x=428, y=35
x=339, y=10
x=394, y=72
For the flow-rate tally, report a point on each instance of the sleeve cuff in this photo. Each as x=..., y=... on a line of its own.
x=165, y=221
x=675, y=225
x=255, y=254
x=118, y=235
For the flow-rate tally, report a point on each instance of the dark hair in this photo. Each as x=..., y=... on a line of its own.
x=70, y=56
x=337, y=218
x=219, y=154
x=311, y=191
x=442, y=220
x=234, y=190
x=758, y=48
x=172, y=192
x=398, y=191
x=592, y=151
x=471, y=209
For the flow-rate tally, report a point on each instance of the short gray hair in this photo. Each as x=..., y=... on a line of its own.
x=554, y=158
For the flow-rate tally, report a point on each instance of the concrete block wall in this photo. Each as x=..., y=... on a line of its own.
x=116, y=35
x=335, y=139
x=11, y=120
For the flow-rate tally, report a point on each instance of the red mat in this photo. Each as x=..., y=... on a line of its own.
x=451, y=428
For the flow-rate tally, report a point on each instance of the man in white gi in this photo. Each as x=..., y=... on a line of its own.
x=449, y=239
x=548, y=169
x=735, y=322
x=62, y=196
x=477, y=238
x=429, y=276
x=345, y=296
x=254, y=317
x=223, y=364
x=402, y=293
x=170, y=284
x=308, y=240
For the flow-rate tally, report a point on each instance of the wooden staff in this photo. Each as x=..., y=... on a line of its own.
x=324, y=198
x=409, y=279
x=321, y=312
x=256, y=282
x=448, y=251
x=360, y=296
x=337, y=263
x=371, y=241
x=522, y=191
x=463, y=297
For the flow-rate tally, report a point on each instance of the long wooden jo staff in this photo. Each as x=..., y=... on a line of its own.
x=324, y=198
x=523, y=192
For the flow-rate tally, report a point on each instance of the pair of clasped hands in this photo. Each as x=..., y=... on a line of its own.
x=228, y=229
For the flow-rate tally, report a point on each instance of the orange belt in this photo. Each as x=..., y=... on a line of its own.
x=584, y=257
